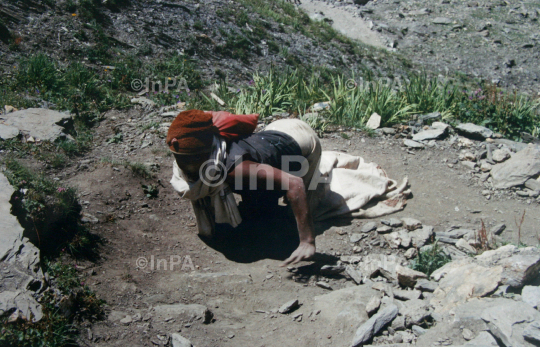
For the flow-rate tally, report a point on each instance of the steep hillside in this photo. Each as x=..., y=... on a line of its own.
x=233, y=37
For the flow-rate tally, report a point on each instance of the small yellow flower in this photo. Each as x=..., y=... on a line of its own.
x=74, y=15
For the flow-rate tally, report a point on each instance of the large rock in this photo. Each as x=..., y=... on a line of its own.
x=8, y=132
x=503, y=318
x=432, y=134
x=517, y=170
x=520, y=265
x=508, y=320
x=22, y=300
x=408, y=277
x=420, y=237
x=39, y=123
x=178, y=340
x=474, y=131
x=531, y=295
x=374, y=121
x=345, y=309
x=373, y=305
x=532, y=333
x=10, y=230
x=20, y=259
x=467, y=278
x=462, y=280
x=413, y=144
x=415, y=311
x=289, y=306
x=367, y=330
x=513, y=145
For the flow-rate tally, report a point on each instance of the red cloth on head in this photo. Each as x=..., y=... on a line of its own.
x=194, y=132
x=234, y=126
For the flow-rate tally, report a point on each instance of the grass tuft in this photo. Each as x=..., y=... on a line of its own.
x=430, y=260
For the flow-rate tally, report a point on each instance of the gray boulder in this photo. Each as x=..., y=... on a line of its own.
x=178, y=340
x=10, y=230
x=532, y=333
x=504, y=319
x=344, y=310
x=370, y=226
x=468, y=278
x=517, y=170
x=289, y=306
x=413, y=144
x=415, y=311
x=408, y=277
x=513, y=145
x=420, y=237
x=39, y=123
x=531, y=295
x=8, y=132
x=432, y=134
x=474, y=131
x=519, y=265
x=426, y=286
x=20, y=259
x=367, y=330
x=508, y=320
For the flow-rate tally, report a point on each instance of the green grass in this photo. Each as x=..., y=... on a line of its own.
x=430, y=260
x=49, y=211
x=294, y=91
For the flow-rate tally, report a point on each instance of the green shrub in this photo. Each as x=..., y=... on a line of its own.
x=39, y=73
x=430, y=95
x=430, y=260
x=48, y=212
x=507, y=113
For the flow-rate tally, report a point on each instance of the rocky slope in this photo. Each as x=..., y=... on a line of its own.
x=225, y=38
x=495, y=41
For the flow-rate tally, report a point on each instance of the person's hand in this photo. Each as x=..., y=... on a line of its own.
x=304, y=251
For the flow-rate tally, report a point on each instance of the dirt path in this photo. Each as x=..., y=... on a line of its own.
x=237, y=276
x=345, y=22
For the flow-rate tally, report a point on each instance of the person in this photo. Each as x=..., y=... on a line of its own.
x=208, y=168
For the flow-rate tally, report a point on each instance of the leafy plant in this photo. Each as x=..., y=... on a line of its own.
x=117, y=138
x=150, y=190
x=430, y=260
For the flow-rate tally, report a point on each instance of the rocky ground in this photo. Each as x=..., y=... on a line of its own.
x=160, y=279
x=496, y=41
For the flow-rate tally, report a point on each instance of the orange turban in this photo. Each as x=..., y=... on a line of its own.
x=194, y=132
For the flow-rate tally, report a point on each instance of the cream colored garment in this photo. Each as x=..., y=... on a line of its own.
x=211, y=203
x=351, y=187
x=347, y=185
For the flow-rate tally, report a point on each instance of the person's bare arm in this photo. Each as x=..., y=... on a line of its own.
x=296, y=195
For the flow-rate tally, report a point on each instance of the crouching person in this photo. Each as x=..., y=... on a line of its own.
x=210, y=164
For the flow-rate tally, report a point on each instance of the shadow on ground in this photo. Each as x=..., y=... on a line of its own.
x=268, y=232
